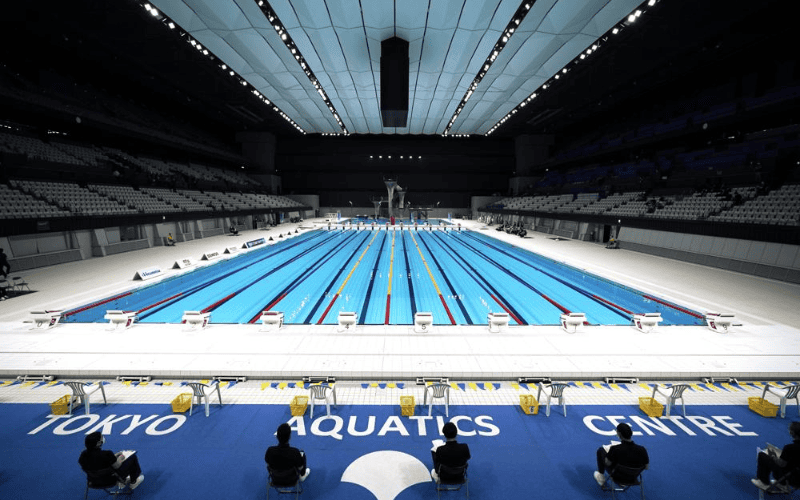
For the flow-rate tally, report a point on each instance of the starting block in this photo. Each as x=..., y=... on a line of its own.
x=347, y=319
x=573, y=320
x=120, y=318
x=720, y=322
x=645, y=323
x=43, y=320
x=497, y=321
x=423, y=321
x=196, y=319
x=271, y=320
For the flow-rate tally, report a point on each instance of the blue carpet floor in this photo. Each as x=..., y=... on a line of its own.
x=710, y=454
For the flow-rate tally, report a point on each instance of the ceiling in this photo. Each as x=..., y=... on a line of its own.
x=449, y=42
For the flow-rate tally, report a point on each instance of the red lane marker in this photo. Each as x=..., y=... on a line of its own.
x=86, y=308
x=690, y=313
x=452, y=321
x=158, y=303
x=601, y=299
x=269, y=306
x=388, y=301
x=519, y=322
x=563, y=309
x=328, y=309
x=218, y=303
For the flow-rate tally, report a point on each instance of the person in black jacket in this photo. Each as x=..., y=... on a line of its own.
x=451, y=453
x=94, y=458
x=283, y=458
x=626, y=453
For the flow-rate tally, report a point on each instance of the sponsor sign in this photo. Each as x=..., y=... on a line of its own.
x=146, y=274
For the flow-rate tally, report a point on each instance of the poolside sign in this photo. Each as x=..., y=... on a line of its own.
x=183, y=263
x=146, y=274
x=253, y=243
x=231, y=249
x=210, y=255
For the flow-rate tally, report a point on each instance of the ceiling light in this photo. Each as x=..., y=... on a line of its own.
x=232, y=73
x=171, y=25
x=615, y=31
x=651, y=2
x=631, y=18
x=638, y=13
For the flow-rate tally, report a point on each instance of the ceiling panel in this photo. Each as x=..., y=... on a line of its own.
x=449, y=40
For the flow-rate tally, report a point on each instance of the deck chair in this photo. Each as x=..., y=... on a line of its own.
x=320, y=392
x=552, y=391
x=785, y=393
x=622, y=477
x=451, y=479
x=81, y=391
x=284, y=481
x=676, y=393
x=107, y=480
x=437, y=390
x=203, y=391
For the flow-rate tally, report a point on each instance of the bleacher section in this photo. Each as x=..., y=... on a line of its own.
x=16, y=204
x=71, y=197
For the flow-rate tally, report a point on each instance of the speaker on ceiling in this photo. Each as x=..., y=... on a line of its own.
x=394, y=82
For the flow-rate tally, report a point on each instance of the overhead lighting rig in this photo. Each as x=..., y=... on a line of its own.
x=269, y=13
x=624, y=23
x=181, y=33
x=505, y=36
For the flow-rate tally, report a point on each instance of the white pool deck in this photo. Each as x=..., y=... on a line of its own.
x=766, y=346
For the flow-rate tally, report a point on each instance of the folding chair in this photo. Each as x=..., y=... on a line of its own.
x=556, y=391
x=438, y=390
x=785, y=393
x=621, y=477
x=81, y=391
x=787, y=484
x=320, y=392
x=284, y=481
x=18, y=283
x=107, y=480
x=202, y=391
x=451, y=479
x=675, y=394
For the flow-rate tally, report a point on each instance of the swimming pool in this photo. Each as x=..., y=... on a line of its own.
x=386, y=276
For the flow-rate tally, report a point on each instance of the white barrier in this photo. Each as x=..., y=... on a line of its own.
x=497, y=321
x=124, y=319
x=423, y=321
x=196, y=319
x=573, y=320
x=44, y=320
x=645, y=323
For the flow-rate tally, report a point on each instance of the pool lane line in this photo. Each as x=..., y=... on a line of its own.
x=159, y=303
x=603, y=302
x=678, y=308
x=514, y=276
x=433, y=280
x=411, y=296
x=95, y=304
x=488, y=288
x=613, y=304
x=296, y=282
x=162, y=304
x=447, y=280
x=341, y=288
x=389, y=288
x=365, y=307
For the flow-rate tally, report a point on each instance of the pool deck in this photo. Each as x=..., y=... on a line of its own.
x=766, y=346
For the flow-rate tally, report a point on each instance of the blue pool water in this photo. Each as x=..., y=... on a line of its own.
x=385, y=277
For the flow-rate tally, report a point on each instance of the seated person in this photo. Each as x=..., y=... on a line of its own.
x=234, y=231
x=627, y=453
x=779, y=462
x=283, y=460
x=170, y=241
x=450, y=454
x=94, y=459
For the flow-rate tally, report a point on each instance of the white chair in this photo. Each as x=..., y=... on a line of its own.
x=196, y=319
x=271, y=320
x=346, y=320
x=320, y=392
x=81, y=391
x=785, y=393
x=645, y=323
x=120, y=318
x=45, y=319
x=552, y=391
x=676, y=393
x=497, y=321
x=573, y=320
x=422, y=321
x=203, y=391
x=437, y=390
x=720, y=322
